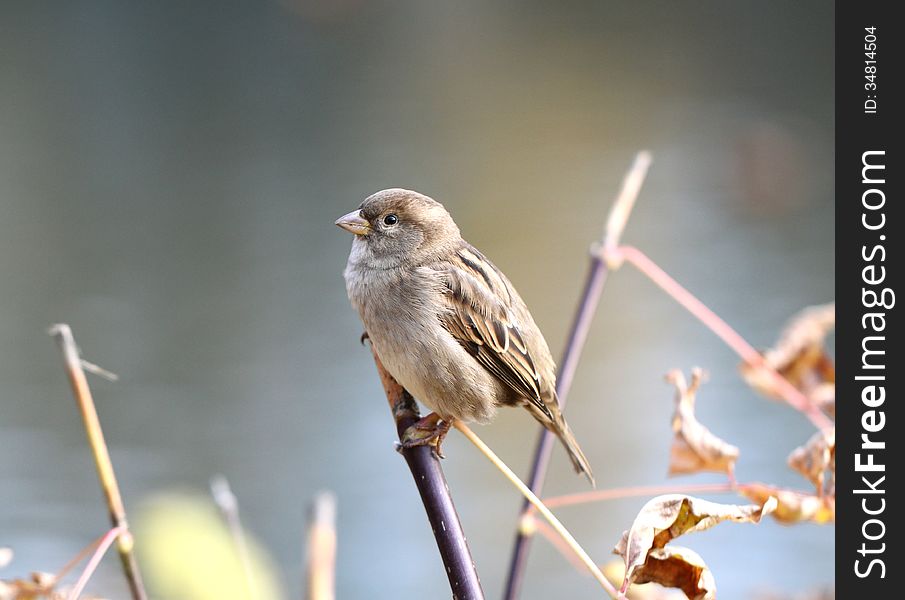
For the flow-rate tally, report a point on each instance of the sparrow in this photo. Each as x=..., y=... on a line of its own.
x=445, y=322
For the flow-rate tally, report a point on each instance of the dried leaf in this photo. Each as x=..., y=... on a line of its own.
x=816, y=459
x=824, y=396
x=791, y=506
x=694, y=447
x=800, y=345
x=665, y=518
x=799, y=355
x=40, y=585
x=24, y=589
x=677, y=567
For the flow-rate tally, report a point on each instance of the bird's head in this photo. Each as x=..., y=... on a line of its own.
x=398, y=226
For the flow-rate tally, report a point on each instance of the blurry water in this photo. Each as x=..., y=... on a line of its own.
x=169, y=175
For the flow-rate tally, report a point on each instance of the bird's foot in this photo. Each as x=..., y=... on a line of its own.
x=427, y=431
x=364, y=338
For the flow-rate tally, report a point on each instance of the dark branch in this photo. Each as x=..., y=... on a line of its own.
x=441, y=512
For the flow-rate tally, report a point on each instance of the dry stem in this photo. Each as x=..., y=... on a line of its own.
x=228, y=504
x=732, y=338
x=100, y=549
x=82, y=393
x=633, y=492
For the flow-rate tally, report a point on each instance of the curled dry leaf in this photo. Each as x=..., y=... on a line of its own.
x=799, y=355
x=817, y=459
x=694, y=447
x=681, y=568
x=791, y=506
x=665, y=518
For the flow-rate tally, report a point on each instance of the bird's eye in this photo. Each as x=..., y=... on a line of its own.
x=390, y=219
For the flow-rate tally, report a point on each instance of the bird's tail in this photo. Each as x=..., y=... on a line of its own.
x=565, y=435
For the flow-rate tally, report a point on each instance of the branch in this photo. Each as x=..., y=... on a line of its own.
x=124, y=542
x=228, y=504
x=633, y=492
x=789, y=393
x=441, y=512
x=102, y=545
x=590, y=298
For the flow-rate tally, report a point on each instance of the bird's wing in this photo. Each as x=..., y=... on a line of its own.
x=479, y=316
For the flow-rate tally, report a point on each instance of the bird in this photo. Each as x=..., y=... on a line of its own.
x=445, y=322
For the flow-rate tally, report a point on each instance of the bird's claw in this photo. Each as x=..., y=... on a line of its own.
x=364, y=338
x=427, y=431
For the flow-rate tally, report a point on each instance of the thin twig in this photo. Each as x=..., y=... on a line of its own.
x=435, y=495
x=228, y=504
x=321, y=548
x=634, y=492
x=83, y=553
x=101, y=547
x=625, y=201
x=722, y=329
x=587, y=307
x=99, y=371
x=541, y=508
x=81, y=391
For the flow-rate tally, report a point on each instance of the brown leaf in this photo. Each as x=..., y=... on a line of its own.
x=694, y=447
x=665, y=518
x=816, y=459
x=793, y=507
x=824, y=396
x=677, y=567
x=40, y=585
x=799, y=355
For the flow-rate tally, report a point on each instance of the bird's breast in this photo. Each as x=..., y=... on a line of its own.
x=401, y=313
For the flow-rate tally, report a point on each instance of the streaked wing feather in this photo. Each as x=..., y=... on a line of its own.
x=480, y=319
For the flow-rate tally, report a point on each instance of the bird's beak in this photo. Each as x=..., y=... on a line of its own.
x=353, y=223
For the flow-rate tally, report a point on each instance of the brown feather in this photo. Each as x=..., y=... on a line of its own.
x=489, y=333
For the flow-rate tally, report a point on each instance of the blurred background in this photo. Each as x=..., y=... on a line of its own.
x=169, y=177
